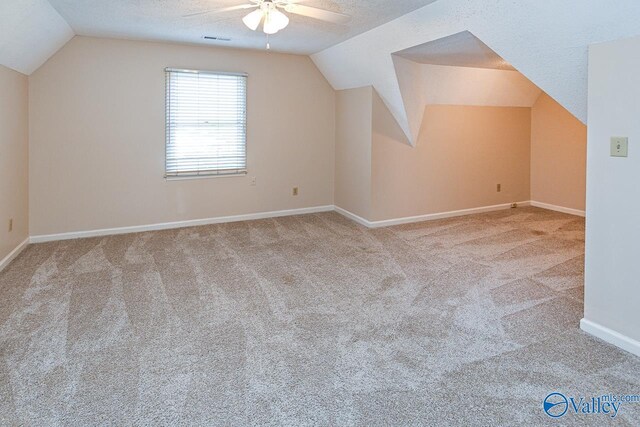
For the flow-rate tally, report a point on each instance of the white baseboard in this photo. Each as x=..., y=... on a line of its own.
x=13, y=254
x=274, y=214
x=427, y=217
x=353, y=217
x=177, y=224
x=611, y=336
x=562, y=209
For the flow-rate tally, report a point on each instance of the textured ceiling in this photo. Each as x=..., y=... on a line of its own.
x=460, y=50
x=162, y=20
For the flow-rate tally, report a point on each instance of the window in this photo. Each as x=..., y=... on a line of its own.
x=206, y=117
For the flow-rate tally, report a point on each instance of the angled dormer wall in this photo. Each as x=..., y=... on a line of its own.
x=462, y=153
x=533, y=148
x=558, y=156
x=353, y=151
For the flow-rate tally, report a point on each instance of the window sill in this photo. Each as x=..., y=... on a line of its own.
x=192, y=177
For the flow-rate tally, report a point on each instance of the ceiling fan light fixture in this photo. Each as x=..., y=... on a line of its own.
x=275, y=21
x=269, y=28
x=253, y=19
x=280, y=19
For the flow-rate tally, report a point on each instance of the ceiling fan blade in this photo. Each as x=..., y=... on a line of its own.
x=224, y=9
x=321, y=14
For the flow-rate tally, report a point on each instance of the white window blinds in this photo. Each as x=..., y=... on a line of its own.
x=206, y=117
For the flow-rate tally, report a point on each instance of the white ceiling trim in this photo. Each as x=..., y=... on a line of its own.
x=31, y=31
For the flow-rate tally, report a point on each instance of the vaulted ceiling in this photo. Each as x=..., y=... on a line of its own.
x=32, y=30
x=546, y=41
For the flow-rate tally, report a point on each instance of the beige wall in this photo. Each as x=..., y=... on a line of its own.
x=353, y=150
x=612, y=277
x=97, y=145
x=462, y=153
x=97, y=137
x=558, y=155
x=14, y=165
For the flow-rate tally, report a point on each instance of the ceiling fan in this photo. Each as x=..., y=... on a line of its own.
x=274, y=20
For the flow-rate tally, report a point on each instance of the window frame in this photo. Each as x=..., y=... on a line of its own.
x=190, y=175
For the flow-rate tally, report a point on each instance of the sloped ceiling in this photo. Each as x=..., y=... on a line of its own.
x=459, y=50
x=31, y=31
x=547, y=41
x=163, y=20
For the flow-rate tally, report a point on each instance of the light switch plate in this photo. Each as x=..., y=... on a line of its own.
x=619, y=146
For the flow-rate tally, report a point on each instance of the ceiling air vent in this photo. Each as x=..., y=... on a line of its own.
x=219, y=39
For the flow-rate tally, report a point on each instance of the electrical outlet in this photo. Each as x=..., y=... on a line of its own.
x=253, y=181
x=10, y=225
x=295, y=191
x=499, y=187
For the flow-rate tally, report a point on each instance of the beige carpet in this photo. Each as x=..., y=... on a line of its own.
x=307, y=320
